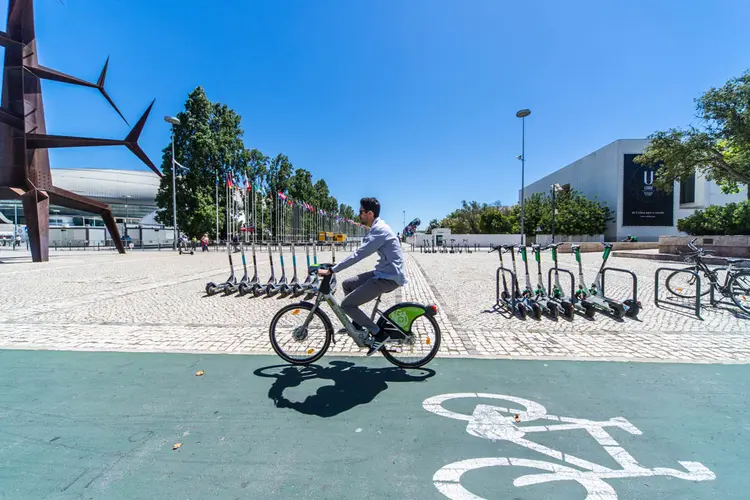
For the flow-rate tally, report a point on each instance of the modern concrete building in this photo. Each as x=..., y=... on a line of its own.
x=611, y=176
x=130, y=194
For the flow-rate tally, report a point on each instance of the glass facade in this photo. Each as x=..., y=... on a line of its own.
x=130, y=195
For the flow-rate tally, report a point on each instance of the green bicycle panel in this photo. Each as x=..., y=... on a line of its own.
x=523, y=253
x=554, y=253
x=537, y=251
x=405, y=316
x=606, y=253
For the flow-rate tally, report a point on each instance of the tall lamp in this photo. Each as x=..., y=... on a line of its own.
x=522, y=114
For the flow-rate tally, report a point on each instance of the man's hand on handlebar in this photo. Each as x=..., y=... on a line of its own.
x=324, y=272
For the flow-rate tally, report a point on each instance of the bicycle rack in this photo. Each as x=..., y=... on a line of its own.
x=631, y=273
x=697, y=306
x=513, y=287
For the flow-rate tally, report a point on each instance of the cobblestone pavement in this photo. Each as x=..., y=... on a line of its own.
x=155, y=301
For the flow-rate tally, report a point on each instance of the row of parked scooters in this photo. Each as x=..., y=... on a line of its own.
x=552, y=300
x=281, y=287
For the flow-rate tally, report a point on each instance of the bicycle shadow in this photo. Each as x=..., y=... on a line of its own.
x=353, y=385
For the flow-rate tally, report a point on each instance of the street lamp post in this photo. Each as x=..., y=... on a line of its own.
x=555, y=188
x=173, y=121
x=522, y=114
x=15, y=223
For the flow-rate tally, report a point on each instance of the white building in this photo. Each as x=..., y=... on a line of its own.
x=611, y=176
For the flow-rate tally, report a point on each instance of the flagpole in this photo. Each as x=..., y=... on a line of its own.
x=218, y=238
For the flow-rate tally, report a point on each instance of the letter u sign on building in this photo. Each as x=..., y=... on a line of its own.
x=648, y=177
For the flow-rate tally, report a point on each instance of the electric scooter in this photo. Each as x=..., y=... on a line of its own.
x=530, y=306
x=212, y=288
x=253, y=285
x=590, y=296
x=272, y=286
x=234, y=287
x=536, y=294
x=560, y=307
x=631, y=306
x=188, y=247
x=510, y=299
x=295, y=284
x=556, y=291
x=315, y=281
x=305, y=286
x=284, y=288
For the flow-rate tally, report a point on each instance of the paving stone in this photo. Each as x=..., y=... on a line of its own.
x=155, y=301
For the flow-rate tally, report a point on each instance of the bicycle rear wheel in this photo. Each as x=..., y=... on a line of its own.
x=416, y=340
x=683, y=284
x=739, y=287
x=293, y=342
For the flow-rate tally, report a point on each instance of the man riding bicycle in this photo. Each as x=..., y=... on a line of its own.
x=389, y=273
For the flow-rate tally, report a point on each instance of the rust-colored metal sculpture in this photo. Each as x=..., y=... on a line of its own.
x=24, y=161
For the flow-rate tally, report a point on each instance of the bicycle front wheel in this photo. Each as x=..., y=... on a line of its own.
x=416, y=341
x=684, y=284
x=739, y=287
x=293, y=341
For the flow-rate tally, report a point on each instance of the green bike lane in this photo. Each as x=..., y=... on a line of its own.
x=105, y=425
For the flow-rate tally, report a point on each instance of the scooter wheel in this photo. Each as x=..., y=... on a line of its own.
x=633, y=308
x=521, y=311
x=568, y=311
x=553, y=312
x=242, y=289
x=210, y=288
x=590, y=311
x=537, y=311
x=618, y=311
x=257, y=291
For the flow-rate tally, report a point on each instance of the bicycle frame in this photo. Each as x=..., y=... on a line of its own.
x=341, y=315
x=713, y=276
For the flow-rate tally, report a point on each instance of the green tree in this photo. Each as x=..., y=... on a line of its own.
x=434, y=223
x=730, y=219
x=577, y=214
x=719, y=149
x=320, y=194
x=347, y=211
x=494, y=220
x=208, y=142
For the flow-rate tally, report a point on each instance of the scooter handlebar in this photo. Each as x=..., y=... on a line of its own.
x=315, y=267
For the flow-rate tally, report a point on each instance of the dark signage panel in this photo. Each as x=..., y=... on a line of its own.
x=642, y=203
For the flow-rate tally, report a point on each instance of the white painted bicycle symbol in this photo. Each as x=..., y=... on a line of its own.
x=499, y=423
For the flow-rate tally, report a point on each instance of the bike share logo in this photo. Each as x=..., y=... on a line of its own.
x=648, y=183
x=400, y=318
x=501, y=422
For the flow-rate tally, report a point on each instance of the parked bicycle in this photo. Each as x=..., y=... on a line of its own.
x=410, y=325
x=731, y=281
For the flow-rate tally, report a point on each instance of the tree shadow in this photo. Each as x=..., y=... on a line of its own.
x=353, y=385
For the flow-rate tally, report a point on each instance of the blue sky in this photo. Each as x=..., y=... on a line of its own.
x=410, y=101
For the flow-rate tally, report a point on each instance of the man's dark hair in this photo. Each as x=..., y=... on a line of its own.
x=370, y=204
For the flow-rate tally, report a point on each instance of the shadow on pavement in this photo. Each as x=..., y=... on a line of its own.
x=353, y=385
